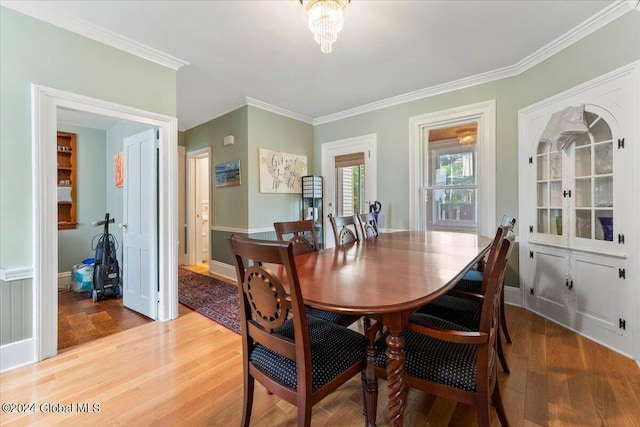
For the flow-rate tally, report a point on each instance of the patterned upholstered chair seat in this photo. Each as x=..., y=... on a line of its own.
x=465, y=313
x=337, y=318
x=441, y=362
x=333, y=350
x=471, y=282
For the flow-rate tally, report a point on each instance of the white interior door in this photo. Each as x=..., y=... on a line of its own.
x=198, y=205
x=140, y=229
x=366, y=144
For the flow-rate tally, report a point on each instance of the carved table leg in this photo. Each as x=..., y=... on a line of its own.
x=395, y=376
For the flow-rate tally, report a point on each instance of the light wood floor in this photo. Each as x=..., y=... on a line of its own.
x=187, y=372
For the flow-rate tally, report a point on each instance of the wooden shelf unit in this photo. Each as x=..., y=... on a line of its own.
x=66, y=154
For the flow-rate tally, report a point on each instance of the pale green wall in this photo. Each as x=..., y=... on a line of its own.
x=279, y=133
x=32, y=51
x=74, y=245
x=228, y=206
x=244, y=207
x=609, y=48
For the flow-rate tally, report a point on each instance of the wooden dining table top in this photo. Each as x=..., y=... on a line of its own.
x=388, y=278
x=393, y=272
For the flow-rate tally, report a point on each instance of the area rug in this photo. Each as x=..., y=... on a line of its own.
x=210, y=297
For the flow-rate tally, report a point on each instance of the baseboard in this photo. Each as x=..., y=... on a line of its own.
x=512, y=296
x=64, y=281
x=221, y=269
x=17, y=354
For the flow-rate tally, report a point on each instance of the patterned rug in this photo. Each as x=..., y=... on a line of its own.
x=211, y=297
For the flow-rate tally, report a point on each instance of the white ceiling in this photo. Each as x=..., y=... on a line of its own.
x=263, y=50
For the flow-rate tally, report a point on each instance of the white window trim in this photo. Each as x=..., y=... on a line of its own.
x=364, y=143
x=485, y=114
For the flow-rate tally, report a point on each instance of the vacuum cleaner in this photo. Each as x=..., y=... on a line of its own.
x=106, y=272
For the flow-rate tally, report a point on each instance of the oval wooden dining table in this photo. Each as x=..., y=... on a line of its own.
x=388, y=278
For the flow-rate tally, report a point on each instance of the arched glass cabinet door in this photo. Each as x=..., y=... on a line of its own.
x=593, y=179
x=574, y=187
x=549, y=185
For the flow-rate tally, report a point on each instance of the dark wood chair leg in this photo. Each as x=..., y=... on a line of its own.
x=249, y=384
x=304, y=415
x=501, y=356
x=497, y=403
x=370, y=388
x=503, y=320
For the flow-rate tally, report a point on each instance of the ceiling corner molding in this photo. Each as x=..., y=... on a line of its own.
x=85, y=29
x=229, y=108
x=594, y=23
x=463, y=83
x=277, y=110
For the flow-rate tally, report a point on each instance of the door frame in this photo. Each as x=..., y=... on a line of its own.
x=329, y=150
x=484, y=113
x=45, y=102
x=192, y=157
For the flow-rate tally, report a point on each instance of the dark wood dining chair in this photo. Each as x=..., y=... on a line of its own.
x=303, y=236
x=297, y=357
x=369, y=225
x=448, y=360
x=301, y=233
x=345, y=229
x=472, y=281
x=464, y=307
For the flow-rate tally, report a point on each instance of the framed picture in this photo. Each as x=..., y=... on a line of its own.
x=281, y=172
x=228, y=173
x=118, y=169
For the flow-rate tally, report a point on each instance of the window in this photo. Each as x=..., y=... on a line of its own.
x=452, y=187
x=350, y=184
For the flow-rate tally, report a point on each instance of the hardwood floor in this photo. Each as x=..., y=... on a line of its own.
x=187, y=372
x=81, y=320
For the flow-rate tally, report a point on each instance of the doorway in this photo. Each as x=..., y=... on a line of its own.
x=98, y=139
x=350, y=170
x=198, y=208
x=46, y=101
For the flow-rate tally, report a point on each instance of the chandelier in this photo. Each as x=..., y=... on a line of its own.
x=325, y=18
x=466, y=136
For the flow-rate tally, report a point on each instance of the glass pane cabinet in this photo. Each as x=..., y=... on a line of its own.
x=578, y=201
x=575, y=186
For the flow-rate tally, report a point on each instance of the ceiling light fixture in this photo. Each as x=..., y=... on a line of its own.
x=325, y=18
x=466, y=136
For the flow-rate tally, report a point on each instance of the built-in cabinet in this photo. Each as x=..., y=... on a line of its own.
x=66, y=157
x=577, y=202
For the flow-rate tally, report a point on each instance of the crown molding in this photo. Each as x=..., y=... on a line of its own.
x=229, y=108
x=254, y=103
x=594, y=23
x=277, y=110
x=47, y=14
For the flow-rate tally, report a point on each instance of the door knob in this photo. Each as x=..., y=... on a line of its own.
x=122, y=225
